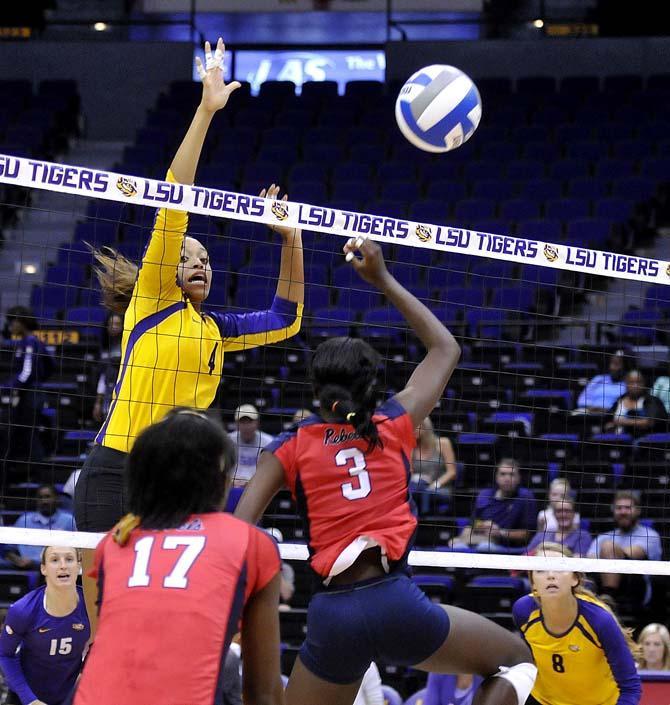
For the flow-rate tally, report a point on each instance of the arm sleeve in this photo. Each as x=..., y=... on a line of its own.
x=521, y=610
x=242, y=331
x=650, y=543
x=263, y=561
x=589, y=393
x=620, y=659
x=157, y=277
x=11, y=637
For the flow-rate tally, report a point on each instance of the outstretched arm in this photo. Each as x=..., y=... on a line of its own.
x=157, y=273
x=426, y=385
x=291, y=282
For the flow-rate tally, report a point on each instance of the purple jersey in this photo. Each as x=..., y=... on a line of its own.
x=41, y=655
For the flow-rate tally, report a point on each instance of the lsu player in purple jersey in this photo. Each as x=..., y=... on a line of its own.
x=45, y=634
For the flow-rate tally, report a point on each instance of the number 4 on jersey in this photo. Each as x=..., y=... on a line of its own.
x=358, y=471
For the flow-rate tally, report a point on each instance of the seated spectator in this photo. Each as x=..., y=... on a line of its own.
x=661, y=390
x=603, y=390
x=637, y=412
x=433, y=465
x=628, y=539
x=370, y=692
x=249, y=442
x=47, y=515
x=505, y=515
x=451, y=690
x=287, y=585
x=566, y=534
x=108, y=364
x=654, y=643
x=559, y=491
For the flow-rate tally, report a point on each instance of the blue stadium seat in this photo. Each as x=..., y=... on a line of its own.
x=90, y=319
x=519, y=209
x=441, y=171
x=634, y=149
x=329, y=322
x=357, y=190
x=615, y=209
x=308, y=191
x=542, y=151
x=657, y=297
x=388, y=207
x=445, y=277
x=549, y=230
x=525, y=169
x=319, y=91
x=348, y=171
x=637, y=188
x=255, y=298
x=567, y=209
x=64, y=274
x=447, y=190
x=493, y=189
x=405, y=190
x=657, y=168
x=464, y=297
x=473, y=209
x=587, y=188
x=276, y=91
x=612, y=169
x=384, y=322
x=485, y=324
x=96, y=232
x=483, y=169
x=516, y=299
x=540, y=189
x=536, y=86
x=301, y=119
x=579, y=85
x=591, y=232
x=316, y=296
x=569, y=169
x=641, y=327
x=491, y=271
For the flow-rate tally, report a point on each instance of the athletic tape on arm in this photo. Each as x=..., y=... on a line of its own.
x=82, y=181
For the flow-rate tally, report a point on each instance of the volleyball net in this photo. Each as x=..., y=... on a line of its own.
x=537, y=318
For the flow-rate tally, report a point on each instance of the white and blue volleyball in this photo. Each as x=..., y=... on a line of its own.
x=438, y=108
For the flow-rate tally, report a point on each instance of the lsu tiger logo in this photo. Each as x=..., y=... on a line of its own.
x=551, y=253
x=127, y=186
x=279, y=210
x=79, y=627
x=667, y=270
x=423, y=233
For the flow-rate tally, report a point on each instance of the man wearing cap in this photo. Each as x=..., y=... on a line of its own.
x=249, y=441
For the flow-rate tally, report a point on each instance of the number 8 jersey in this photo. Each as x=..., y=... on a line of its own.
x=348, y=499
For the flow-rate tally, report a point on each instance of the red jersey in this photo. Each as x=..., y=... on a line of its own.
x=170, y=602
x=349, y=499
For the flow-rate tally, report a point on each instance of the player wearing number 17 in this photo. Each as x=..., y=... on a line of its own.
x=583, y=655
x=349, y=470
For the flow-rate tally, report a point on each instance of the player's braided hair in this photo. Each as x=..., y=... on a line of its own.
x=344, y=374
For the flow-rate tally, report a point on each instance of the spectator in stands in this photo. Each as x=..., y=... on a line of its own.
x=628, y=539
x=637, y=412
x=110, y=359
x=451, y=690
x=249, y=441
x=654, y=643
x=505, y=515
x=661, y=390
x=433, y=465
x=232, y=674
x=370, y=692
x=31, y=366
x=603, y=390
x=559, y=491
x=47, y=515
x=566, y=534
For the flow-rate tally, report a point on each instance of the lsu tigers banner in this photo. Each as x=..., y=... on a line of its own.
x=92, y=183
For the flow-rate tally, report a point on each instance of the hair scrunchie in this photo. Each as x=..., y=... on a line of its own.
x=121, y=532
x=351, y=416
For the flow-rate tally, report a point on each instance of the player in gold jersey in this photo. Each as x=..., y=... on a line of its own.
x=583, y=655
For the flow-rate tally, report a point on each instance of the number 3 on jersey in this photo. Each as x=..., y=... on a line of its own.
x=358, y=471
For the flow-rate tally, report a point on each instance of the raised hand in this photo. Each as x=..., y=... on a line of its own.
x=215, y=91
x=371, y=267
x=273, y=193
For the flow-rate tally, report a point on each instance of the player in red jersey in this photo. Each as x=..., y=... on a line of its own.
x=176, y=576
x=349, y=471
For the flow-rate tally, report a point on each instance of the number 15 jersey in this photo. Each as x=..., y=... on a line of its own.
x=351, y=500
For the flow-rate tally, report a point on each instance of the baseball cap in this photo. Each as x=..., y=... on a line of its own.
x=248, y=411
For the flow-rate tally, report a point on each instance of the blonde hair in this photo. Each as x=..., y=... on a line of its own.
x=580, y=589
x=116, y=275
x=662, y=631
x=563, y=482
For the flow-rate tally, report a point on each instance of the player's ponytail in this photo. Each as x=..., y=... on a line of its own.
x=344, y=373
x=116, y=275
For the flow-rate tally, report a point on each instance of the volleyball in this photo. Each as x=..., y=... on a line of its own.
x=438, y=108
